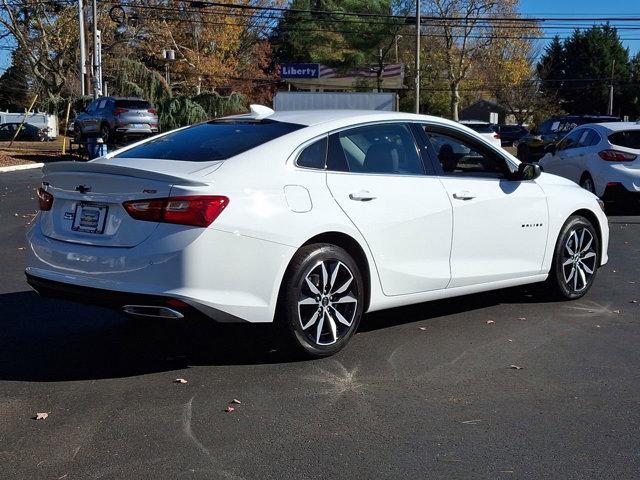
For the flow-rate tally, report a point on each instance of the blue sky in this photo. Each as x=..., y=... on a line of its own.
x=540, y=8
x=586, y=8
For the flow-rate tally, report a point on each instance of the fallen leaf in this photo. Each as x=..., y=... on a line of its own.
x=490, y=322
x=235, y=400
x=16, y=215
x=515, y=367
x=20, y=248
x=180, y=380
x=230, y=409
x=521, y=318
x=509, y=340
x=597, y=326
x=42, y=416
x=633, y=301
x=616, y=311
x=632, y=283
x=423, y=328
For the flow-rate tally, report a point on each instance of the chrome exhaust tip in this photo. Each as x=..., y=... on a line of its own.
x=151, y=311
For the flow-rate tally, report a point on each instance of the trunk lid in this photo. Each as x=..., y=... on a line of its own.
x=87, y=206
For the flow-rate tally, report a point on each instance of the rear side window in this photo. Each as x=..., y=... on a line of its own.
x=627, y=138
x=382, y=148
x=133, y=104
x=314, y=156
x=215, y=140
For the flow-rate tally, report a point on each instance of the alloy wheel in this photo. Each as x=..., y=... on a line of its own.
x=327, y=303
x=579, y=259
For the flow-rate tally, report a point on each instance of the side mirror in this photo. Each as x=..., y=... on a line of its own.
x=527, y=171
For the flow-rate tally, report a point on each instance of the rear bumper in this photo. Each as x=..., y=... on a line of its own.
x=109, y=298
x=224, y=276
x=618, y=192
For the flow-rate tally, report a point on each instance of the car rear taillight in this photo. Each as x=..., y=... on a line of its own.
x=152, y=111
x=616, y=156
x=197, y=211
x=118, y=111
x=45, y=200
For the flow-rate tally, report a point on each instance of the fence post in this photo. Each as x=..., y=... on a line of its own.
x=66, y=129
x=23, y=120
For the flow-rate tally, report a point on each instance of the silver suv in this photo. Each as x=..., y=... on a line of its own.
x=116, y=119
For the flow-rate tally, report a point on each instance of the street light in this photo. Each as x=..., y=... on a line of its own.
x=398, y=37
x=169, y=55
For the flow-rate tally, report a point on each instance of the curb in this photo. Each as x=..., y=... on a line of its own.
x=14, y=168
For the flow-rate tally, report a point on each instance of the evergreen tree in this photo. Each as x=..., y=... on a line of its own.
x=578, y=72
x=14, y=86
x=551, y=68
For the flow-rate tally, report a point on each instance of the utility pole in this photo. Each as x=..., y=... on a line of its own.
x=417, y=75
x=97, y=87
x=613, y=66
x=83, y=55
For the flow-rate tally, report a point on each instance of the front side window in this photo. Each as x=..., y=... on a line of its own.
x=314, y=155
x=382, y=148
x=211, y=141
x=572, y=140
x=465, y=157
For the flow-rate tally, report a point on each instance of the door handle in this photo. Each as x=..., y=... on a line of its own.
x=464, y=195
x=362, y=196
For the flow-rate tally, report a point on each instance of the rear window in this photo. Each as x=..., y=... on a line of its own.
x=480, y=127
x=626, y=138
x=215, y=140
x=133, y=104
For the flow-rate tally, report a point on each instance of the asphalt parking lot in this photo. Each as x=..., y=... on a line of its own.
x=426, y=391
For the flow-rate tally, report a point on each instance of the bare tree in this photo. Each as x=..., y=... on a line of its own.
x=46, y=35
x=467, y=30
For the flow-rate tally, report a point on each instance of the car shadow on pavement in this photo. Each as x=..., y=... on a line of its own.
x=52, y=340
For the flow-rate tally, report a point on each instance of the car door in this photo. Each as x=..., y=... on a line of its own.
x=377, y=175
x=560, y=163
x=499, y=224
x=5, y=133
x=91, y=122
x=576, y=157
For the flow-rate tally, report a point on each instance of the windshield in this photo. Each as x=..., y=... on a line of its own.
x=215, y=140
x=133, y=104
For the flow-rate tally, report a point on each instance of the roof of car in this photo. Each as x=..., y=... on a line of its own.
x=617, y=126
x=316, y=117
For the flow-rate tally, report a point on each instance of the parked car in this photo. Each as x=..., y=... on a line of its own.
x=532, y=147
x=115, y=119
x=308, y=219
x=28, y=132
x=509, y=133
x=603, y=158
x=485, y=129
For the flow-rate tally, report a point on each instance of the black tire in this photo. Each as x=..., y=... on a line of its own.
x=105, y=133
x=570, y=276
x=77, y=134
x=336, y=314
x=586, y=182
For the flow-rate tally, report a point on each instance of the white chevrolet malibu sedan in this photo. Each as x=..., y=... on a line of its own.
x=308, y=219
